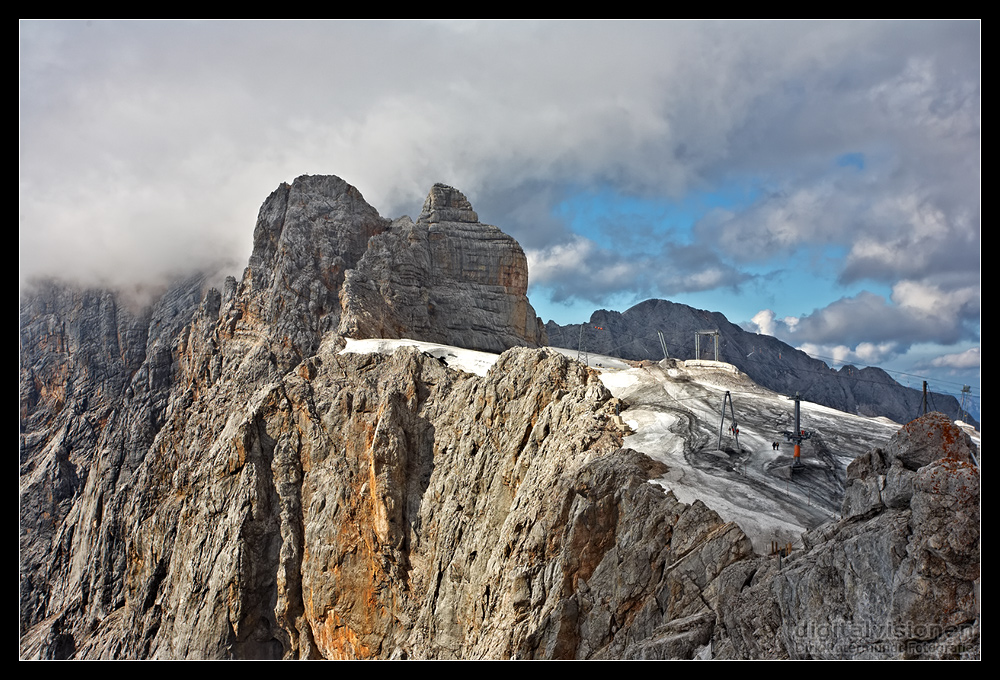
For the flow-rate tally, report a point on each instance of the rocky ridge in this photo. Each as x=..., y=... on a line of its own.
x=770, y=362
x=208, y=477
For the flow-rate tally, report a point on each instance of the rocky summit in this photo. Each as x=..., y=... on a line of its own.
x=447, y=278
x=206, y=475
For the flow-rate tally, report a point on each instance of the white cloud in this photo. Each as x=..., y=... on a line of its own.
x=876, y=353
x=918, y=312
x=970, y=358
x=764, y=321
x=865, y=353
x=834, y=354
x=550, y=264
x=935, y=303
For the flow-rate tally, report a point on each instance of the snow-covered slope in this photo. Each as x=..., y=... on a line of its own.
x=676, y=412
x=468, y=360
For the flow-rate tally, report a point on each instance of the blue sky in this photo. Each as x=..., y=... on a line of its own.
x=818, y=181
x=786, y=282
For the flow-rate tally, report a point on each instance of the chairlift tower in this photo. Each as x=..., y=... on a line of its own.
x=966, y=394
x=797, y=436
x=734, y=428
x=581, y=351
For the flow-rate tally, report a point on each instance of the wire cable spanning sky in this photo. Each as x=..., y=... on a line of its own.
x=816, y=181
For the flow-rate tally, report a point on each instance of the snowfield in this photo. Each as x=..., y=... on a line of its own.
x=677, y=411
x=467, y=360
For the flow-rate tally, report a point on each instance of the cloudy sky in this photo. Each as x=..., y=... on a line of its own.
x=815, y=181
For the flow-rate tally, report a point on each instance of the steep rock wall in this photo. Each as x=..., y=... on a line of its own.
x=448, y=278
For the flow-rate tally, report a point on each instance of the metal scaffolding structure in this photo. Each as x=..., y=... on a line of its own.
x=697, y=342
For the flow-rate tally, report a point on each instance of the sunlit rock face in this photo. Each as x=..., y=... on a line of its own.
x=446, y=278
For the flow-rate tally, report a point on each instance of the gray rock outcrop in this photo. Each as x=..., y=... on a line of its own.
x=447, y=278
x=308, y=235
x=897, y=577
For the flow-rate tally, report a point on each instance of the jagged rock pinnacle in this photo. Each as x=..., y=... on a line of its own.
x=447, y=204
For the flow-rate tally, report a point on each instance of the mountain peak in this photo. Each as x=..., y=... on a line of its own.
x=447, y=204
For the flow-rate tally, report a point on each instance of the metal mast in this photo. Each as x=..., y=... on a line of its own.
x=734, y=428
x=581, y=351
x=798, y=435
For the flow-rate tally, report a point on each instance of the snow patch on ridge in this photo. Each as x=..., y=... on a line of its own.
x=468, y=360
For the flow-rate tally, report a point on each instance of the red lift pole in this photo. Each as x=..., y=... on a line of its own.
x=797, y=435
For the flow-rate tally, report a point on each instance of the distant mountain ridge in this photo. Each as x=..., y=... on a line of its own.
x=768, y=361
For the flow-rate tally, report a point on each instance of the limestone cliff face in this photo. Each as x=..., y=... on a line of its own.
x=448, y=278
x=308, y=235
x=97, y=380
